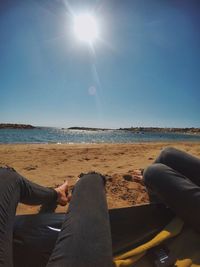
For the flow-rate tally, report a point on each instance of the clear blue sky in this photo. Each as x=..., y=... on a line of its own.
x=145, y=71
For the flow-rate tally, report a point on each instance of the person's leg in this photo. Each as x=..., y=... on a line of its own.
x=85, y=238
x=181, y=162
x=176, y=191
x=14, y=189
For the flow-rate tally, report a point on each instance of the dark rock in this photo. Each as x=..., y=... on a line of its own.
x=31, y=168
x=128, y=177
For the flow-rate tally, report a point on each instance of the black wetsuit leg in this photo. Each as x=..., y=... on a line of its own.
x=182, y=162
x=175, y=180
x=85, y=238
x=14, y=189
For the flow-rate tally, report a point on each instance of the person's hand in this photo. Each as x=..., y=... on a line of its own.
x=63, y=194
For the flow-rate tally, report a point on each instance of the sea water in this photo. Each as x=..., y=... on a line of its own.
x=58, y=135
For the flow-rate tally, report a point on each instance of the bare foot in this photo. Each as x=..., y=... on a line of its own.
x=63, y=195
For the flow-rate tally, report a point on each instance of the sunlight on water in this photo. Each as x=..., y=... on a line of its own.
x=59, y=136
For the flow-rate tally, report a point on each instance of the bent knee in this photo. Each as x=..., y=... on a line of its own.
x=91, y=178
x=166, y=154
x=153, y=173
x=9, y=175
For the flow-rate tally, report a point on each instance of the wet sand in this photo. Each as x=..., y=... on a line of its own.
x=51, y=164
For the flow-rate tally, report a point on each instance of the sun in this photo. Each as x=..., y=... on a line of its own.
x=86, y=28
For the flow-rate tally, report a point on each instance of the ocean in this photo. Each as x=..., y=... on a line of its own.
x=57, y=135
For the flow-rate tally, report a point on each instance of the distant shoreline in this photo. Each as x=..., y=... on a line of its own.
x=16, y=126
x=191, y=130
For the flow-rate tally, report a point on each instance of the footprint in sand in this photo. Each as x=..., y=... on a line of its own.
x=94, y=165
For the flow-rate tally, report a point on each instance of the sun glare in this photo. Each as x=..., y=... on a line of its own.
x=86, y=28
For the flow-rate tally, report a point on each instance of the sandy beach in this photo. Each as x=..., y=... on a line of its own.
x=51, y=164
